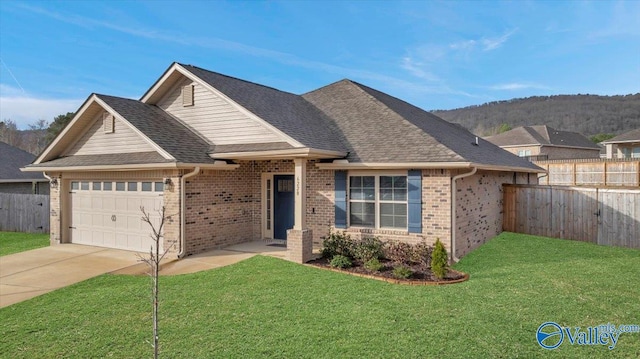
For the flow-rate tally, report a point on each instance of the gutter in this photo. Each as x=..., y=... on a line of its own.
x=453, y=210
x=183, y=216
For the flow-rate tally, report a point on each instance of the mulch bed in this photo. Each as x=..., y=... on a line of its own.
x=419, y=276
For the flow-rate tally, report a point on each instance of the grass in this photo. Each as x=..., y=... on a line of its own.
x=266, y=307
x=14, y=242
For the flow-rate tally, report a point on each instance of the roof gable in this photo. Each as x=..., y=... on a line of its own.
x=162, y=129
x=82, y=122
x=11, y=160
x=285, y=112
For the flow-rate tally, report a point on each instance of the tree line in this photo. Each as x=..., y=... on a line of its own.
x=37, y=137
x=591, y=115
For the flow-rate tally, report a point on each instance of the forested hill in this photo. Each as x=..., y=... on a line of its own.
x=586, y=114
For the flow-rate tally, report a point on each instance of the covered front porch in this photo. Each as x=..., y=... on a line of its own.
x=280, y=201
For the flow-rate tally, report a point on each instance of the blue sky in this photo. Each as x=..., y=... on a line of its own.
x=434, y=54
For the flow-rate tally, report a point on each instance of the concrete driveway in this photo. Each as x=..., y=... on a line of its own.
x=29, y=274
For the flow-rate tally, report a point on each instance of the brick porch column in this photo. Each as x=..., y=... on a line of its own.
x=300, y=238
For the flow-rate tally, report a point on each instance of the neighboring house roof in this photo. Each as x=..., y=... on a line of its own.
x=541, y=136
x=11, y=160
x=631, y=136
x=341, y=118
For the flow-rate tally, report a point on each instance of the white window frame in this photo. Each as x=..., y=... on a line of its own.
x=377, y=201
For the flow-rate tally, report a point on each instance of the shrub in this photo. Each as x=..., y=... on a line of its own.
x=421, y=254
x=402, y=272
x=337, y=243
x=398, y=252
x=373, y=265
x=367, y=249
x=341, y=262
x=439, y=260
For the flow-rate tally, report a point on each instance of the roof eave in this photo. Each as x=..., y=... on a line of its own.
x=133, y=167
x=617, y=142
x=423, y=165
x=305, y=152
x=508, y=168
x=393, y=165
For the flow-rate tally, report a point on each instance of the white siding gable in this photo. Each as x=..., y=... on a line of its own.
x=95, y=141
x=215, y=118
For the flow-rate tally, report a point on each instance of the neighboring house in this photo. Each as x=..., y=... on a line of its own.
x=12, y=180
x=234, y=161
x=626, y=145
x=545, y=143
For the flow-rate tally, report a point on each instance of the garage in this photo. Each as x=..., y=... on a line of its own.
x=107, y=213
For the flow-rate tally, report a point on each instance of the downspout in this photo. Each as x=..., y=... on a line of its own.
x=183, y=216
x=453, y=210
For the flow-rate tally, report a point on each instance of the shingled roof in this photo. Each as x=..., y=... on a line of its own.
x=541, y=135
x=382, y=128
x=344, y=117
x=631, y=136
x=11, y=160
x=163, y=129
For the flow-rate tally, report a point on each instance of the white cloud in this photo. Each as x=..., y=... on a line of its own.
x=26, y=109
x=486, y=43
x=417, y=69
x=463, y=45
x=495, y=42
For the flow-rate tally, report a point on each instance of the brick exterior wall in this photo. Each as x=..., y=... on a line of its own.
x=224, y=207
x=55, y=214
x=436, y=213
x=479, y=207
x=171, y=202
x=320, y=199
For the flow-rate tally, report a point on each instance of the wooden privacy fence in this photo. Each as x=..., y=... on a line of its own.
x=609, y=216
x=24, y=213
x=591, y=172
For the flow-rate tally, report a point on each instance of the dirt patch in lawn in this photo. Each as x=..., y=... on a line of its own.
x=418, y=277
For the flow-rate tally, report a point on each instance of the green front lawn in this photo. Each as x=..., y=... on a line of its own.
x=14, y=242
x=266, y=307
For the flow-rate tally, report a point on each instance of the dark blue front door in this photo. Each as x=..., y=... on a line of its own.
x=283, y=202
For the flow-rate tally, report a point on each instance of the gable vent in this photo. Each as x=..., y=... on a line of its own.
x=187, y=95
x=107, y=122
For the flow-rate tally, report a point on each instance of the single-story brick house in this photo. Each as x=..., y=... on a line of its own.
x=235, y=161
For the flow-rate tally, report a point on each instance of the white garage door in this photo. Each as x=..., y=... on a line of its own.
x=107, y=213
